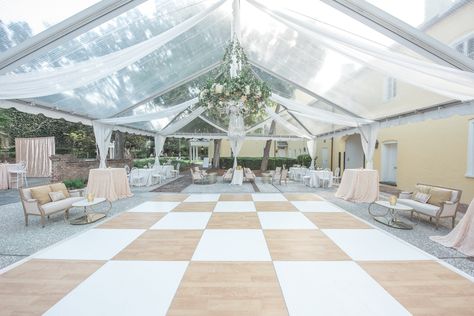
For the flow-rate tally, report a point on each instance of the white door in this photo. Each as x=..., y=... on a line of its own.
x=389, y=162
x=325, y=157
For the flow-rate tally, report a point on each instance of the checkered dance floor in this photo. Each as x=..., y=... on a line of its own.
x=234, y=254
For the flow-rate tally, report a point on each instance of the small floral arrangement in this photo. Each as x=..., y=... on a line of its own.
x=237, y=88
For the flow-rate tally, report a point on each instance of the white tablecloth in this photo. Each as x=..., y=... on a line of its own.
x=4, y=176
x=316, y=175
x=359, y=185
x=238, y=177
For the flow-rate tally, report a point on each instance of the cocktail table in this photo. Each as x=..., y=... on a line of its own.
x=390, y=218
x=91, y=215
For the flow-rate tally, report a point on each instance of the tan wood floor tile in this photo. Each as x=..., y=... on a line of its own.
x=133, y=220
x=302, y=245
x=229, y=288
x=235, y=197
x=170, y=197
x=162, y=245
x=424, y=287
x=280, y=206
x=33, y=287
x=303, y=197
x=195, y=207
x=238, y=220
x=332, y=220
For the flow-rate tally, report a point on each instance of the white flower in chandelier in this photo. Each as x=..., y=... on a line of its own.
x=219, y=88
x=247, y=90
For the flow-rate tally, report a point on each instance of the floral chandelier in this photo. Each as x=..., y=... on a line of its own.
x=237, y=90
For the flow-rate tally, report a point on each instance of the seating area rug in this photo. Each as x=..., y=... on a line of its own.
x=234, y=254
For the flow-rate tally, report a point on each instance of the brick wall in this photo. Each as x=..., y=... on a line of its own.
x=69, y=167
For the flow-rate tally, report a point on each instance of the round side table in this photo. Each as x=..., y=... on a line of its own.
x=92, y=213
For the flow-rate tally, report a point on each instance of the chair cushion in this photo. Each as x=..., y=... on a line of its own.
x=421, y=197
x=439, y=196
x=60, y=205
x=56, y=196
x=422, y=189
x=423, y=208
x=41, y=194
x=55, y=187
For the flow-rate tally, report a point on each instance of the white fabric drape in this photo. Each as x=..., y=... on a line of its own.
x=236, y=134
x=236, y=20
x=170, y=129
x=318, y=114
x=159, y=143
x=102, y=133
x=447, y=81
x=167, y=112
x=312, y=148
x=236, y=145
x=35, y=152
x=368, y=138
x=59, y=79
x=287, y=125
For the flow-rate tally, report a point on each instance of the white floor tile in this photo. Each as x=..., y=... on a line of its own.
x=202, y=198
x=316, y=206
x=232, y=245
x=159, y=207
x=268, y=197
x=333, y=288
x=284, y=220
x=124, y=288
x=188, y=220
x=371, y=244
x=238, y=206
x=94, y=244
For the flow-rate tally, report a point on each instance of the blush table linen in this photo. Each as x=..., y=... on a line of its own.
x=461, y=237
x=110, y=183
x=359, y=185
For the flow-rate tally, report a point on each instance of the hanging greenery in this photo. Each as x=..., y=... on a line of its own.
x=237, y=88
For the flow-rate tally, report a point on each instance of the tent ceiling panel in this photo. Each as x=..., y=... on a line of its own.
x=445, y=20
x=184, y=56
x=23, y=19
x=338, y=78
x=143, y=22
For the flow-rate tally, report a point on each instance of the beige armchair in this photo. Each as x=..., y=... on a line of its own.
x=45, y=208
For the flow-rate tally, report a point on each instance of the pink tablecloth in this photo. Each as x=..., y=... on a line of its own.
x=110, y=183
x=4, y=177
x=461, y=237
x=359, y=185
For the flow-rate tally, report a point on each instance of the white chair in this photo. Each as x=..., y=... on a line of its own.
x=175, y=172
x=336, y=178
x=325, y=179
x=18, y=172
x=156, y=177
x=307, y=179
x=137, y=179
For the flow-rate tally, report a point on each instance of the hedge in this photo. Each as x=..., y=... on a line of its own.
x=254, y=163
x=140, y=163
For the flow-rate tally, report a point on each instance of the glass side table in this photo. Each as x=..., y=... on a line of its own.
x=390, y=217
x=93, y=211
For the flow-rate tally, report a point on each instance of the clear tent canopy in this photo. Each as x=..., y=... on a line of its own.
x=328, y=68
